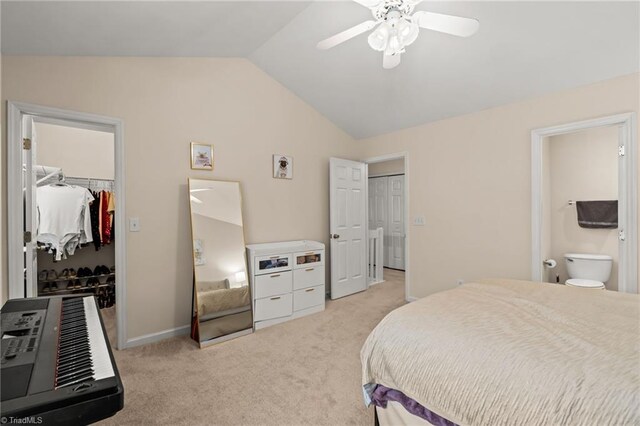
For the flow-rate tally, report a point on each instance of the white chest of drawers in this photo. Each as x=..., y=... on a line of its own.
x=287, y=280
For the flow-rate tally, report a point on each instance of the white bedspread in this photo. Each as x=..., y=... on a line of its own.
x=505, y=352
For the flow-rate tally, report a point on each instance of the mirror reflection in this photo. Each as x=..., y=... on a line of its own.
x=222, y=303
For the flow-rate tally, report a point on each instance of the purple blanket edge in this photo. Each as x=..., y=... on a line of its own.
x=382, y=394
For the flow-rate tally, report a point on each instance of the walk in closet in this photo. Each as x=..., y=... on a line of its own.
x=72, y=211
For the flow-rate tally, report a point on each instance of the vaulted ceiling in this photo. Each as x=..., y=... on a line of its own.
x=522, y=50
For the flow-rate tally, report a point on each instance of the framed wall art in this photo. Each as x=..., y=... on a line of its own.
x=201, y=156
x=282, y=166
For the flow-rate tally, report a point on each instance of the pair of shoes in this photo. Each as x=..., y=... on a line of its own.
x=68, y=273
x=42, y=276
x=111, y=280
x=46, y=288
x=74, y=284
x=113, y=269
x=101, y=270
x=84, y=272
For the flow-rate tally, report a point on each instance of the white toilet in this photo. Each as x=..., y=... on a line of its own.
x=588, y=270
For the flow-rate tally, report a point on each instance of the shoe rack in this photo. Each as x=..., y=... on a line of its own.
x=101, y=283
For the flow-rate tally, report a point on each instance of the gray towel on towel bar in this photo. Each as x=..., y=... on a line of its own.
x=597, y=214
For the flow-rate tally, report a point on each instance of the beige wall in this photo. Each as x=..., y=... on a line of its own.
x=166, y=103
x=582, y=166
x=470, y=176
x=387, y=167
x=79, y=152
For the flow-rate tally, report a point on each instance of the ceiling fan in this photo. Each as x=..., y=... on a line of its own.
x=397, y=28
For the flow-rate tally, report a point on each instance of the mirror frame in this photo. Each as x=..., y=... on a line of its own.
x=195, y=323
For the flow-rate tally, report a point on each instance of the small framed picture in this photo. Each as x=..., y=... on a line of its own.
x=201, y=156
x=282, y=166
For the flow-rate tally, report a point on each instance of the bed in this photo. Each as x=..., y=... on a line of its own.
x=506, y=352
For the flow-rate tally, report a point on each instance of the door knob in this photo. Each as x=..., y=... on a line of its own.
x=335, y=236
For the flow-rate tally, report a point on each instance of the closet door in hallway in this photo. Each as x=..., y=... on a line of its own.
x=396, y=222
x=386, y=210
x=378, y=208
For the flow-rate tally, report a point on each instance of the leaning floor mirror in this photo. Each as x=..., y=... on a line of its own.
x=221, y=299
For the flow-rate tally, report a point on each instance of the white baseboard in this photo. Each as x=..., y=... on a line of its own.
x=375, y=282
x=411, y=298
x=156, y=337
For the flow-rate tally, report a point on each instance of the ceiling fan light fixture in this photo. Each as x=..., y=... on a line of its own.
x=379, y=39
x=408, y=31
x=395, y=26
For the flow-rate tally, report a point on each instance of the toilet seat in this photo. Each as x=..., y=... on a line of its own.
x=582, y=283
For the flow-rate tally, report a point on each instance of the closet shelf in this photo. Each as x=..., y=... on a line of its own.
x=70, y=290
x=57, y=280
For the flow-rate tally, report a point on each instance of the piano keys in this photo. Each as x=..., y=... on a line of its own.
x=56, y=362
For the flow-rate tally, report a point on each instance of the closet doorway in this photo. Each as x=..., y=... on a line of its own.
x=388, y=216
x=66, y=209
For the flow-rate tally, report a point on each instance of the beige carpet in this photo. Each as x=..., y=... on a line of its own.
x=303, y=372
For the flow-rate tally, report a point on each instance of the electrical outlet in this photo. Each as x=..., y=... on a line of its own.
x=418, y=221
x=134, y=224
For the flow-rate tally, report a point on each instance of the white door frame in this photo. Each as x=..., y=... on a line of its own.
x=627, y=185
x=16, y=111
x=404, y=155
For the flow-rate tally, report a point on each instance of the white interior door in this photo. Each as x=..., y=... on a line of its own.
x=396, y=230
x=378, y=210
x=347, y=217
x=29, y=214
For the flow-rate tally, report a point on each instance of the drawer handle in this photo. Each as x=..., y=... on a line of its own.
x=274, y=275
x=309, y=269
x=309, y=289
x=275, y=298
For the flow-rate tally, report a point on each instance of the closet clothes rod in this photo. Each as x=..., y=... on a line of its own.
x=98, y=183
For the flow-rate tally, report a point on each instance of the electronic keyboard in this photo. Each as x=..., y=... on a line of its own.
x=57, y=365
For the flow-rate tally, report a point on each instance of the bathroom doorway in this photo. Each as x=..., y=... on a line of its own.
x=583, y=199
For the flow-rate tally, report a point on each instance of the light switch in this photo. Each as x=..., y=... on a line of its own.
x=418, y=221
x=134, y=224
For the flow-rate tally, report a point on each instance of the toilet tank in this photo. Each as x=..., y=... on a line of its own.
x=589, y=266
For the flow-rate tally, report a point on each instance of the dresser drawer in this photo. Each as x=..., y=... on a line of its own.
x=271, y=264
x=273, y=307
x=308, y=259
x=303, y=299
x=273, y=284
x=308, y=277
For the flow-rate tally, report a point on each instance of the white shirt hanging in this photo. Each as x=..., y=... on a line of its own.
x=63, y=218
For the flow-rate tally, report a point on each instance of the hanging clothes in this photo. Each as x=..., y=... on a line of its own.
x=111, y=209
x=63, y=219
x=95, y=221
x=106, y=222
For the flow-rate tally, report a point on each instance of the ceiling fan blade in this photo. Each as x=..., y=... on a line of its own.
x=346, y=35
x=369, y=3
x=390, y=61
x=454, y=25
